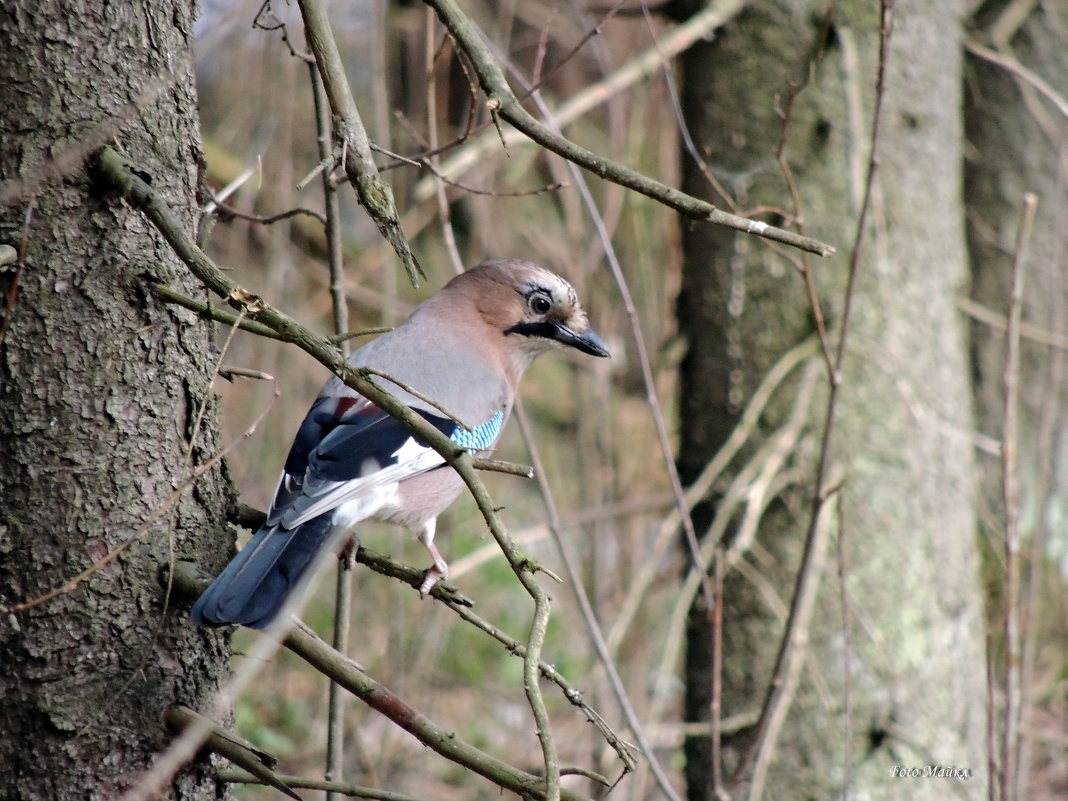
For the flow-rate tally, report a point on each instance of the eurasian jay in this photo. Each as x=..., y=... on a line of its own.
x=465, y=348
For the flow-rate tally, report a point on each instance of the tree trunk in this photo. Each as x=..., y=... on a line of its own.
x=102, y=390
x=906, y=617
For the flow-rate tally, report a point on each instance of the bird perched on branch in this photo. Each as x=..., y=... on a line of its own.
x=465, y=349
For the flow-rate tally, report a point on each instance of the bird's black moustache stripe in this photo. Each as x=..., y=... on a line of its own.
x=542, y=329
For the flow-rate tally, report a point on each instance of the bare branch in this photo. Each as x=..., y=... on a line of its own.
x=1010, y=485
x=637, y=69
x=504, y=104
x=309, y=647
x=374, y=193
x=225, y=743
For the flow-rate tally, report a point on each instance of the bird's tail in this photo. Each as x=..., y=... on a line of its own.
x=253, y=587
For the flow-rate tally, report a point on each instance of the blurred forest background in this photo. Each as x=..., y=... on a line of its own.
x=916, y=566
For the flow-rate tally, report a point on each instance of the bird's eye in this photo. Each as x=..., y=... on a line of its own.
x=540, y=304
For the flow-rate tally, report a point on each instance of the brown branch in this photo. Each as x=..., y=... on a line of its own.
x=373, y=193
x=1033, y=333
x=450, y=596
x=339, y=668
x=427, y=161
x=699, y=26
x=258, y=763
x=1010, y=485
x=211, y=312
x=1029, y=78
x=505, y=105
x=301, y=783
x=227, y=211
x=228, y=317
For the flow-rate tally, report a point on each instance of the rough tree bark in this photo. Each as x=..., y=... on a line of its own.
x=911, y=629
x=101, y=389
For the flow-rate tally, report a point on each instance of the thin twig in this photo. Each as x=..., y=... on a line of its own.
x=1010, y=739
x=374, y=193
x=308, y=646
x=1059, y=101
x=231, y=776
x=698, y=490
x=716, y=707
x=575, y=581
x=788, y=672
x=847, y=650
x=259, y=764
x=230, y=372
x=211, y=312
x=448, y=235
x=335, y=725
x=785, y=108
x=665, y=452
x=225, y=211
x=767, y=461
x=988, y=316
x=430, y=163
x=415, y=393
x=337, y=339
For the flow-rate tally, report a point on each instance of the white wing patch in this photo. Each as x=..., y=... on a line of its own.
x=361, y=497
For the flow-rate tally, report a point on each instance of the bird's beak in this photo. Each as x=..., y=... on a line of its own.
x=587, y=341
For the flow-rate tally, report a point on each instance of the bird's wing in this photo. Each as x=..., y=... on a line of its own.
x=348, y=449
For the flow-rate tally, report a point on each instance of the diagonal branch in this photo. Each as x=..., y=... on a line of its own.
x=309, y=647
x=503, y=103
x=374, y=193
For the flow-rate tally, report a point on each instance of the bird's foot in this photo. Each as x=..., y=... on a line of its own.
x=347, y=554
x=435, y=573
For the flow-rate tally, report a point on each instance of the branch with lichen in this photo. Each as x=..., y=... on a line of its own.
x=351, y=137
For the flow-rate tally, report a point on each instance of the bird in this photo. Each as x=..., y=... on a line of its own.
x=462, y=351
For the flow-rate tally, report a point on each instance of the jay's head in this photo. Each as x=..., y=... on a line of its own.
x=535, y=310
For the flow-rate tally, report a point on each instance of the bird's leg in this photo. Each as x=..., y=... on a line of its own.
x=440, y=569
x=347, y=554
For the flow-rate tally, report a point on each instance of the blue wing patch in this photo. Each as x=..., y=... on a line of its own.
x=337, y=444
x=480, y=437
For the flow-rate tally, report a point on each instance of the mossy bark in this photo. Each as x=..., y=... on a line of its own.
x=910, y=628
x=101, y=391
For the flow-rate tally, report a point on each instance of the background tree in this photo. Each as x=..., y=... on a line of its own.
x=107, y=405
x=899, y=445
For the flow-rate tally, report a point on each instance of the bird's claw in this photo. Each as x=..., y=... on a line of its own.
x=434, y=574
x=347, y=555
